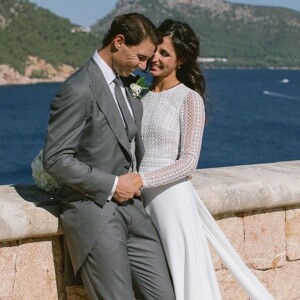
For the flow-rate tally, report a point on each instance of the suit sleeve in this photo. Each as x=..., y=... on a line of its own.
x=68, y=114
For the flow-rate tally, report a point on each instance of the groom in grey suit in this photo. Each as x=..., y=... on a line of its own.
x=94, y=147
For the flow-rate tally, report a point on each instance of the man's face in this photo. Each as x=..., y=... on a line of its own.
x=128, y=58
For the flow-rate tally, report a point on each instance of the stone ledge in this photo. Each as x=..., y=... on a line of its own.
x=257, y=207
x=27, y=212
x=250, y=187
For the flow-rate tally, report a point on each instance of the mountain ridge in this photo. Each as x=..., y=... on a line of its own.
x=244, y=35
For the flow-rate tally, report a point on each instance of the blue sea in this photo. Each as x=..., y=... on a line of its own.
x=255, y=119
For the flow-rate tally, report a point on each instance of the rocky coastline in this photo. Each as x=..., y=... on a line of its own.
x=36, y=70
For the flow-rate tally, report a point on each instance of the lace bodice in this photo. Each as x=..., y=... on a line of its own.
x=172, y=130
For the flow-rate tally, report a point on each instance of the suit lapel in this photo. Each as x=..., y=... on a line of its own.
x=107, y=104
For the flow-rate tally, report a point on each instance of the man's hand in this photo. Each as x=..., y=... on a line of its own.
x=128, y=186
x=137, y=181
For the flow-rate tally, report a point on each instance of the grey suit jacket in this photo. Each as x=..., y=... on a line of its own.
x=85, y=148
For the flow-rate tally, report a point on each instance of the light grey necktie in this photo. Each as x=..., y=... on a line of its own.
x=131, y=128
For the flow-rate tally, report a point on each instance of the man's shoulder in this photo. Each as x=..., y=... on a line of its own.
x=81, y=75
x=78, y=84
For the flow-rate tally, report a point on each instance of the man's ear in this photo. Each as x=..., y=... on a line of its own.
x=119, y=41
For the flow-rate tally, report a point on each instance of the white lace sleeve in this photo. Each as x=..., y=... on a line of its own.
x=192, y=120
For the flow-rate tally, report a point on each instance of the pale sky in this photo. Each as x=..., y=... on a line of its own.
x=87, y=12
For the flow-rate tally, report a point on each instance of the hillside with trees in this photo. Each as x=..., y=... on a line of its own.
x=28, y=30
x=37, y=44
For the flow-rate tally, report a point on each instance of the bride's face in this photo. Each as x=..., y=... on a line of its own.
x=164, y=62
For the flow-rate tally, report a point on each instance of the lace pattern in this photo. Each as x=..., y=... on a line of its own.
x=172, y=130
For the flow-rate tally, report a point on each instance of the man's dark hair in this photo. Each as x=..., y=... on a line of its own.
x=134, y=27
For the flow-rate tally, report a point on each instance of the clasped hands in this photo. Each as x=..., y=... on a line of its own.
x=128, y=186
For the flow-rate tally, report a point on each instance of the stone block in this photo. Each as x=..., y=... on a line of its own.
x=8, y=257
x=31, y=269
x=293, y=234
x=233, y=228
x=265, y=244
x=229, y=288
x=283, y=283
x=215, y=258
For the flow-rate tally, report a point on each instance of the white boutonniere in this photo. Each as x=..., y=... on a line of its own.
x=137, y=88
x=43, y=180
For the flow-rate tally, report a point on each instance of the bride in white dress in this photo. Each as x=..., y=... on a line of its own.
x=172, y=128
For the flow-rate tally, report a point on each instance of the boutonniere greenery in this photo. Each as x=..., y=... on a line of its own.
x=137, y=88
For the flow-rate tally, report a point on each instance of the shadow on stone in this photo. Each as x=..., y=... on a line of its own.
x=47, y=201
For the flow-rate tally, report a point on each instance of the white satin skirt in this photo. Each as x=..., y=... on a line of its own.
x=185, y=226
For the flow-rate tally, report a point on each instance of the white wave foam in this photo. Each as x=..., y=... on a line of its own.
x=285, y=80
x=272, y=94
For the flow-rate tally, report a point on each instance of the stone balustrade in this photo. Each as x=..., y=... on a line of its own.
x=257, y=207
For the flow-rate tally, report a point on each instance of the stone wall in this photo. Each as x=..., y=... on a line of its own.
x=257, y=207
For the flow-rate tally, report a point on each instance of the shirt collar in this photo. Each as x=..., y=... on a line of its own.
x=107, y=71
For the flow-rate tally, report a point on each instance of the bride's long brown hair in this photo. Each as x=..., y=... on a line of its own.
x=187, y=47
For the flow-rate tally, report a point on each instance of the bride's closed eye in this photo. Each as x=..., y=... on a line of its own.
x=164, y=53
